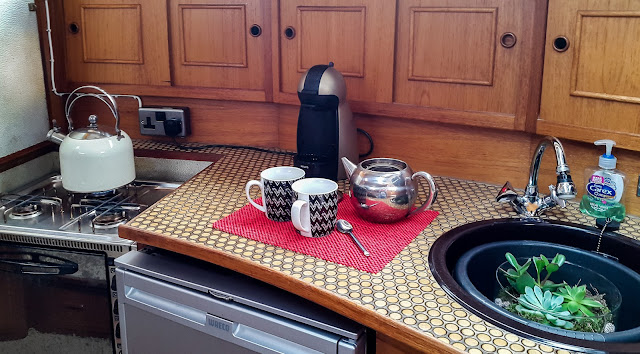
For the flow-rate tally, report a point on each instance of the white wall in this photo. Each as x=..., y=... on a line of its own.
x=23, y=109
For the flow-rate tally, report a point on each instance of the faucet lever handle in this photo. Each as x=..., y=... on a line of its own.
x=554, y=196
x=507, y=194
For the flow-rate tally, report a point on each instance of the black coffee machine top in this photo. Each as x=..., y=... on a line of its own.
x=326, y=131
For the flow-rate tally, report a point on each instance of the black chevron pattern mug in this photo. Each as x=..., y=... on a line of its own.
x=277, y=194
x=315, y=211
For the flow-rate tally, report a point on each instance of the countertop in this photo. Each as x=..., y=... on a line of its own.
x=403, y=301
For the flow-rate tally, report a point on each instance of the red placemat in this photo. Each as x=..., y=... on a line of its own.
x=383, y=241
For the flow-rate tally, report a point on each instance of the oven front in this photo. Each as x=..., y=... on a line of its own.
x=58, y=296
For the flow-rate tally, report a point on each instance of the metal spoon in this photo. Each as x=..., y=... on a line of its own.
x=345, y=227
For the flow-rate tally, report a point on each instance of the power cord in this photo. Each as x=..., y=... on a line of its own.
x=202, y=147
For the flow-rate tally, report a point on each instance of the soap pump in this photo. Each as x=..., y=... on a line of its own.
x=604, y=187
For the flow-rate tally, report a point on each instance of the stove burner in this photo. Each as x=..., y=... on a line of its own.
x=100, y=195
x=26, y=211
x=110, y=220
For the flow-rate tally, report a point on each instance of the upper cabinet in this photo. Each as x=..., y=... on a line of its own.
x=471, y=56
x=116, y=41
x=356, y=35
x=219, y=43
x=591, y=83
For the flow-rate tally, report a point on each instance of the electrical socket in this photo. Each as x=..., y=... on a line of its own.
x=152, y=120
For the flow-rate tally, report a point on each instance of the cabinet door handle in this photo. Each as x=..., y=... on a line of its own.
x=74, y=28
x=290, y=32
x=255, y=30
x=561, y=44
x=508, y=39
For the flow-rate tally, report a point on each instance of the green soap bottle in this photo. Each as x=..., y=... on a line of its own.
x=604, y=187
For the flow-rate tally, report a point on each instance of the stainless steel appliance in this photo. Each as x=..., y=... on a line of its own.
x=171, y=303
x=57, y=274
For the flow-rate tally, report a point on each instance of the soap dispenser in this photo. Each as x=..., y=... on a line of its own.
x=604, y=187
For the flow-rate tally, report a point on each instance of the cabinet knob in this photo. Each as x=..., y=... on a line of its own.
x=74, y=28
x=255, y=30
x=289, y=32
x=561, y=44
x=508, y=39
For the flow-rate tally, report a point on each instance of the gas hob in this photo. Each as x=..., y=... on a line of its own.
x=46, y=208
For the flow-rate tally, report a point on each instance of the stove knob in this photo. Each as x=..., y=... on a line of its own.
x=115, y=307
x=118, y=331
x=113, y=283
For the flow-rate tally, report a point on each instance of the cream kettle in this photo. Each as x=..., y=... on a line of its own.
x=92, y=160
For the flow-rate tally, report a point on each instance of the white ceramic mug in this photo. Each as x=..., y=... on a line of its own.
x=277, y=195
x=315, y=211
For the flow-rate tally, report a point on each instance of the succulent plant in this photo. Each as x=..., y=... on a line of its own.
x=520, y=278
x=575, y=301
x=545, y=306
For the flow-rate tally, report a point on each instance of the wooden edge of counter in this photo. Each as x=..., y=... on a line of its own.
x=409, y=337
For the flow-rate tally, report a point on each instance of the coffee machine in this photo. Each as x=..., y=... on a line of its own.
x=326, y=131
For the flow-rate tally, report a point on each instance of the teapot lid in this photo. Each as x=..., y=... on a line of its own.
x=92, y=132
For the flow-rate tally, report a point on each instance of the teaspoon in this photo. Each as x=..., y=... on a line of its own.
x=345, y=227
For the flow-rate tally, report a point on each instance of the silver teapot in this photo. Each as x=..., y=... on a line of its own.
x=383, y=190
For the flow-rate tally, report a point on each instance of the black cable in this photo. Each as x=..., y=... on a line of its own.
x=364, y=132
x=180, y=146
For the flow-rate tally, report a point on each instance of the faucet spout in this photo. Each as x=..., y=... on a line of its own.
x=533, y=203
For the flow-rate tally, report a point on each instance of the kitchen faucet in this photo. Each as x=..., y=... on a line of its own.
x=534, y=203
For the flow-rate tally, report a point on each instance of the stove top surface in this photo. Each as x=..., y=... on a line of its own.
x=45, y=207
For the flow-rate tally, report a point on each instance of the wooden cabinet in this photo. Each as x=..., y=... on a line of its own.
x=116, y=41
x=591, y=83
x=356, y=35
x=219, y=44
x=471, y=56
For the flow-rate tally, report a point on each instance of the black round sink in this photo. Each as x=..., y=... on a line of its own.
x=620, y=264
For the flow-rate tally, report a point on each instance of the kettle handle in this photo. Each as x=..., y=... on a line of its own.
x=433, y=192
x=111, y=103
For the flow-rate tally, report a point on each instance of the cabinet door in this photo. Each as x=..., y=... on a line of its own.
x=450, y=55
x=591, y=83
x=356, y=35
x=218, y=43
x=116, y=41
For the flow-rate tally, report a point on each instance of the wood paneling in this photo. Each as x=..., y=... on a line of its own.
x=449, y=32
x=448, y=56
x=592, y=91
x=356, y=35
x=25, y=155
x=118, y=41
x=212, y=45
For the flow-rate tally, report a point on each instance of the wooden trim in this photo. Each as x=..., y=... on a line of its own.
x=411, y=337
x=432, y=114
x=184, y=92
x=275, y=52
x=528, y=108
x=177, y=155
x=589, y=134
x=25, y=155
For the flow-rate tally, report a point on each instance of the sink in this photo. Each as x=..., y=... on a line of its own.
x=477, y=249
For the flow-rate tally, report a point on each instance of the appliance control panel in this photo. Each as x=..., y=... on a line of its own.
x=164, y=121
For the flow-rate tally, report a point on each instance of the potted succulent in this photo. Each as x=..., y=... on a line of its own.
x=549, y=300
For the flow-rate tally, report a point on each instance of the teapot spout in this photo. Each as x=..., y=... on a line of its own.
x=349, y=166
x=55, y=136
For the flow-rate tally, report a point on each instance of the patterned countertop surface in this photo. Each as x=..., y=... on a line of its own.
x=404, y=291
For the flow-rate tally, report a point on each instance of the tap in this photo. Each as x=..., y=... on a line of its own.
x=533, y=203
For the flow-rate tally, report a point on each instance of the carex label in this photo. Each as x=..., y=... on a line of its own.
x=219, y=323
x=601, y=187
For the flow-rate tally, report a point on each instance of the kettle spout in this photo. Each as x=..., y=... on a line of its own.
x=349, y=167
x=54, y=134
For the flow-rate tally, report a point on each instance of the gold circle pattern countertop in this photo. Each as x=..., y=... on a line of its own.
x=403, y=301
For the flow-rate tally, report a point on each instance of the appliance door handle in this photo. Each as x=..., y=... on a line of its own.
x=36, y=264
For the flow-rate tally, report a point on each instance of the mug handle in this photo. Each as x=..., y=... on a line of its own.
x=432, y=192
x=248, y=189
x=299, y=209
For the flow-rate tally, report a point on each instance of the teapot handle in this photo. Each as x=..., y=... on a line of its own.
x=111, y=103
x=433, y=192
